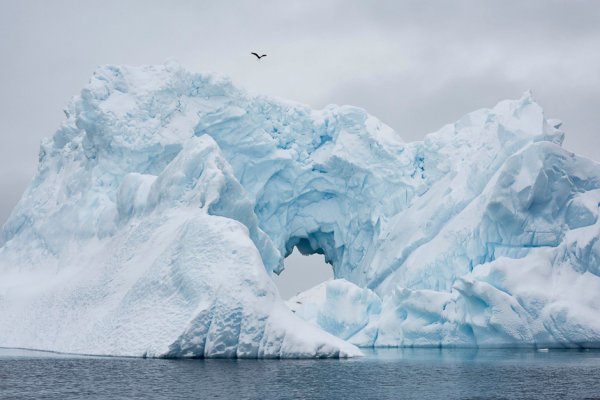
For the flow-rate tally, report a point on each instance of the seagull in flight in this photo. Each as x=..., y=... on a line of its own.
x=259, y=57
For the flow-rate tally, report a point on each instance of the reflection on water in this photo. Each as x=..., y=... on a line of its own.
x=381, y=374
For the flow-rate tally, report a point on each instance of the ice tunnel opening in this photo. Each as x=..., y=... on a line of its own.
x=305, y=268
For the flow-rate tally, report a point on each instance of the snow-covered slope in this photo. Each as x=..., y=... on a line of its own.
x=167, y=199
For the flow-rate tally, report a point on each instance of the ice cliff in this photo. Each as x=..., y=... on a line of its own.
x=167, y=199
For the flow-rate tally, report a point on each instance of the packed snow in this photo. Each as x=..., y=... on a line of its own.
x=167, y=200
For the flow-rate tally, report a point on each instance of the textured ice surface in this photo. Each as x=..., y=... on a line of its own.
x=167, y=199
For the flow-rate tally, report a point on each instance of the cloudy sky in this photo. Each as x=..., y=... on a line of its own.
x=415, y=64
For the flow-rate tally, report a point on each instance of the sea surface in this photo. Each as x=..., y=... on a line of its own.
x=381, y=374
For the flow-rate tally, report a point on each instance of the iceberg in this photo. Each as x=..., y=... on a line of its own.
x=166, y=201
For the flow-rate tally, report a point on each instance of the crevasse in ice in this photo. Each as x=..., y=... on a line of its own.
x=167, y=199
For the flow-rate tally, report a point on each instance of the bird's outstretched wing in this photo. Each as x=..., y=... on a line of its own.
x=264, y=55
x=257, y=56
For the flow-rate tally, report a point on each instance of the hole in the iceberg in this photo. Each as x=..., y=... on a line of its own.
x=302, y=273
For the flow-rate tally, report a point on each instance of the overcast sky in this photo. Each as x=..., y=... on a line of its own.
x=414, y=64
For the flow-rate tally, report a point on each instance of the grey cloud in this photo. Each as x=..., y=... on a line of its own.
x=413, y=112
x=302, y=272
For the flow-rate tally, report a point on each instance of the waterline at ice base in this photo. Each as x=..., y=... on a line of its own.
x=166, y=201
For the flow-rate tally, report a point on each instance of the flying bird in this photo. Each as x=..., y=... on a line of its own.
x=259, y=57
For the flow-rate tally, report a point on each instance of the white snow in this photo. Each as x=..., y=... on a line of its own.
x=167, y=199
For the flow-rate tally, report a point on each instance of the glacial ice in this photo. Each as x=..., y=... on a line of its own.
x=167, y=199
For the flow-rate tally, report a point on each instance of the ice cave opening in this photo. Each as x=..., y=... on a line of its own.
x=302, y=272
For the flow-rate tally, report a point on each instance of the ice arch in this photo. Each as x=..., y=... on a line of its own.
x=314, y=179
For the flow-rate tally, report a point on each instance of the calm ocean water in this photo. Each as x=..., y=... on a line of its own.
x=382, y=374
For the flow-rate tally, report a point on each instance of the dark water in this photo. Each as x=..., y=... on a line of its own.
x=385, y=374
